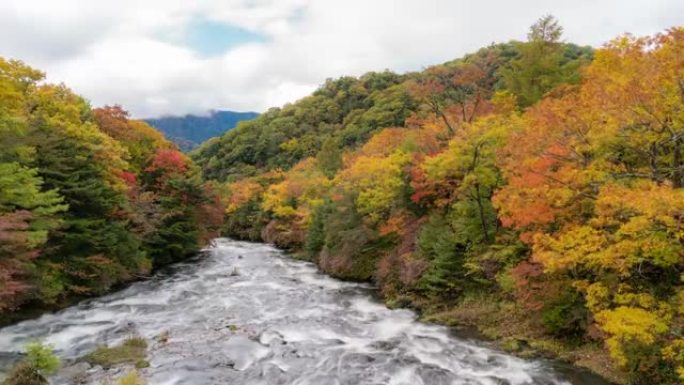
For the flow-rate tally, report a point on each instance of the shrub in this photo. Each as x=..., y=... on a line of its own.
x=41, y=358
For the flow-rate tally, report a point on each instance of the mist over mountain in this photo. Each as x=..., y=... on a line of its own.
x=191, y=130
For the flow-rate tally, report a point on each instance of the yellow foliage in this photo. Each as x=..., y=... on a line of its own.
x=674, y=354
x=298, y=193
x=597, y=296
x=629, y=325
x=576, y=245
x=376, y=180
x=241, y=192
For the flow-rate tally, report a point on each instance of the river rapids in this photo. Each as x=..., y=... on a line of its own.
x=247, y=314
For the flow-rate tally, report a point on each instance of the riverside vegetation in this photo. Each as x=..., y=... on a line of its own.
x=89, y=200
x=531, y=189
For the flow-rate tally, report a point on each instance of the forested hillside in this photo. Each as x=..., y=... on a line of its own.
x=532, y=189
x=190, y=131
x=88, y=198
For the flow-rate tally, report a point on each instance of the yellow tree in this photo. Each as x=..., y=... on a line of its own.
x=376, y=183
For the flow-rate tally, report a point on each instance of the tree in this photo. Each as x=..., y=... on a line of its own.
x=329, y=158
x=464, y=88
x=179, y=195
x=16, y=81
x=593, y=186
x=540, y=65
x=140, y=140
x=376, y=183
x=469, y=167
x=439, y=245
x=27, y=214
x=545, y=30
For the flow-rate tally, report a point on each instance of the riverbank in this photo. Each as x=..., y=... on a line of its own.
x=36, y=309
x=507, y=326
x=511, y=329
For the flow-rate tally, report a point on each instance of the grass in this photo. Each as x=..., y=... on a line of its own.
x=131, y=351
x=24, y=374
x=132, y=378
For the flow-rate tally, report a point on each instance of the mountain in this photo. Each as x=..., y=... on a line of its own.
x=533, y=190
x=350, y=110
x=190, y=130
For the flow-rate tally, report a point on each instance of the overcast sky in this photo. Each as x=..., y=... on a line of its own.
x=161, y=57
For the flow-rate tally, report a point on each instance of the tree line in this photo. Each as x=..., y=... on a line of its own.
x=89, y=198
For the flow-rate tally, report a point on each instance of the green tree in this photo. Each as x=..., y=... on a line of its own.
x=540, y=65
x=329, y=159
x=27, y=213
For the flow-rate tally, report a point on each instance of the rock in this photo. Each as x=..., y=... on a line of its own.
x=76, y=373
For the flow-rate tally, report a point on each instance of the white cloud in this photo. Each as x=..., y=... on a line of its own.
x=113, y=52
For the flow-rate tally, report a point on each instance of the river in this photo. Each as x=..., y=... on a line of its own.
x=247, y=314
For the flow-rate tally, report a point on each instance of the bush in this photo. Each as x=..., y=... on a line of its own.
x=566, y=315
x=41, y=358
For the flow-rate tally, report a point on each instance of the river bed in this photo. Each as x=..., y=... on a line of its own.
x=247, y=314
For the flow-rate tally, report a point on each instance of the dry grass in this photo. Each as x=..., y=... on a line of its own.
x=131, y=351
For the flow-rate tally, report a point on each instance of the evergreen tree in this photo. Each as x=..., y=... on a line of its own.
x=539, y=66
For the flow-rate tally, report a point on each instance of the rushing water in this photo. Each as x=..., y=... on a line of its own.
x=246, y=314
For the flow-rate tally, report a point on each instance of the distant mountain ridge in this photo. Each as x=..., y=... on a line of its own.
x=190, y=131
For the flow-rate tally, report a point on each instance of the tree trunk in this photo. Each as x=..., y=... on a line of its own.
x=480, y=206
x=446, y=121
x=677, y=172
x=653, y=155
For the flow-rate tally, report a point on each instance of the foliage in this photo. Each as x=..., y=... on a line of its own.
x=524, y=172
x=88, y=197
x=542, y=63
x=41, y=357
x=542, y=174
x=40, y=361
x=594, y=186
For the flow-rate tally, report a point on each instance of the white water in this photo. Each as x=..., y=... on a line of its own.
x=278, y=322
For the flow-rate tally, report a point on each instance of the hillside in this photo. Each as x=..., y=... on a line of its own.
x=532, y=190
x=190, y=130
x=349, y=110
x=89, y=199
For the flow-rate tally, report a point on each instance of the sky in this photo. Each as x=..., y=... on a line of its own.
x=172, y=57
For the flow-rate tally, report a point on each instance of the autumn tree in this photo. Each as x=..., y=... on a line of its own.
x=463, y=88
x=140, y=140
x=598, y=205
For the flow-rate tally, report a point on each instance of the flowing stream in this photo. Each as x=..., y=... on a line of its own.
x=247, y=314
